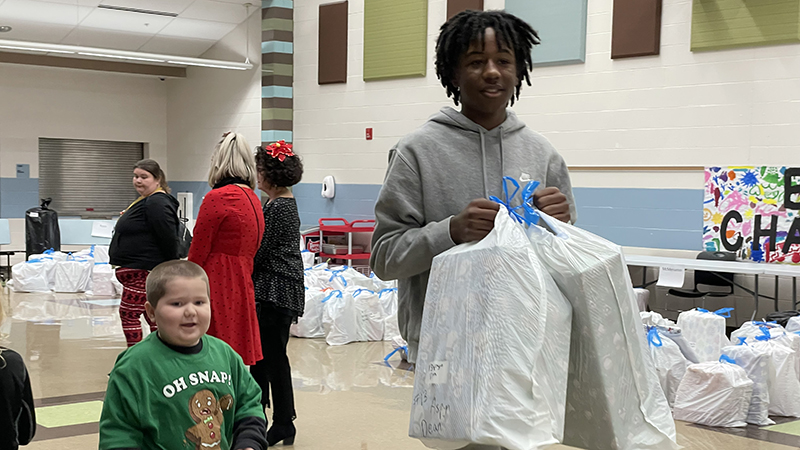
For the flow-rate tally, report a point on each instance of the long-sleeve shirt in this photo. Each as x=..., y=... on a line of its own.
x=17, y=414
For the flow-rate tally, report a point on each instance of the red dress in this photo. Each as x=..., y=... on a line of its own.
x=227, y=235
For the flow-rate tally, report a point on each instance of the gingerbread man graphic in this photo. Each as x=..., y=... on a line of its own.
x=207, y=413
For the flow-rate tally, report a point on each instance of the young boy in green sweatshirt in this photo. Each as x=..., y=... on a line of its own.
x=179, y=388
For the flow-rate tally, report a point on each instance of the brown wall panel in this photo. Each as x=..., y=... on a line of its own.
x=332, y=43
x=456, y=6
x=637, y=28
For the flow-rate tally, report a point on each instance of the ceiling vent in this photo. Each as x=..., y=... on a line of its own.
x=137, y=10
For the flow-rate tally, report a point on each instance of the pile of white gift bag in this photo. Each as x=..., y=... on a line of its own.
x=342, y=305
x=532, y=336
x=86, y=271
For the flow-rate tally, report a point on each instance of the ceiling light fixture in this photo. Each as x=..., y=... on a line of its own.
x=216, y=66
x=130, y=58
x=26, y=49
x=103, y=53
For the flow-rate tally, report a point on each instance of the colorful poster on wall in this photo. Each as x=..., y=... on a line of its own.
x=754, y=212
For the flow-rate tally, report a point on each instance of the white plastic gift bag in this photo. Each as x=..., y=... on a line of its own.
x=793, y=324
x=715, y=394
x=370, y=315
x=669, y=362
x=317, y=277
x=615, y=400
x=751, y=329
x=308, y=258
x=492, y=362
x=103, y=280
x=34, y=275
x=784, y=392
x=705, y=331
x=340, y=318
x=310, y=325
x=391, y=328
x=74, y=275
x=756, y=364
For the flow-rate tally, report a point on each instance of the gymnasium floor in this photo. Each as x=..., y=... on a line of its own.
x=346, y=397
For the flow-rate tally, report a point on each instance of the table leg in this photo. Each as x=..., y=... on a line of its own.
x=777, y=305
x=794, y=293
x=755, y=298
x=644, y=276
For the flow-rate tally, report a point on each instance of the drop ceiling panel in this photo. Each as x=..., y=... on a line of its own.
x=216, y=11
x=47, y=12
x=171, y=6
x=93, y=37
x=177, y=46
x=90, y=3
x=33, y=31
x=125, y=21
x=197, y=29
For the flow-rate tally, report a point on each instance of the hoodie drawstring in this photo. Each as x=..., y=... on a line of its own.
x=502, y=156
x=483, y=165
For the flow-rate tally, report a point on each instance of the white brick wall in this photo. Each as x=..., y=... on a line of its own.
x=732, y=107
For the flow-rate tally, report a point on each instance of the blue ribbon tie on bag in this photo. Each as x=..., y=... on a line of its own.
x=653, y=338
x=331, y=295
x=404, y=348
x=742, y=340
x=359, y=291
x=765, y=336
x=722, y=312
x=385, y=291
x=727, y=359
x=528, y=215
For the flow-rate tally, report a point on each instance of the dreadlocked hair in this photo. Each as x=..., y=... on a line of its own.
x=467, y=26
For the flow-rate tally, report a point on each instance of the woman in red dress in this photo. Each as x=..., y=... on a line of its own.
x=227, y=235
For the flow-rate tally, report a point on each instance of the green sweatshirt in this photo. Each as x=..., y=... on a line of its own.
x=158, y=398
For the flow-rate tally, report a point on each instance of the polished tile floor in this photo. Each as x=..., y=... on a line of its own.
x=346, y=397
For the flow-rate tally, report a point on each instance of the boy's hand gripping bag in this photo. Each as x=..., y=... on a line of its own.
x=614, y=399
x=715, y=394
x=492, y=362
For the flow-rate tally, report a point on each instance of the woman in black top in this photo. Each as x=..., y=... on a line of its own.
x=17, y=414
x=279, y=284
x=145, y=236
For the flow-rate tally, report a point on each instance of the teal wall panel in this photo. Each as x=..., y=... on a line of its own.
x=561, y=25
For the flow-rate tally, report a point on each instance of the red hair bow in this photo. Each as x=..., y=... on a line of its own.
x=280, y=150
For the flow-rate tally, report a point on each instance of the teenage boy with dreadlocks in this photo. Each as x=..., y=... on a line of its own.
x=440, y=176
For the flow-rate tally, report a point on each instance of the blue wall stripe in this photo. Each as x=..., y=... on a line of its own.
x=276, y=92
x=277, y=47
x=18, y=195
x=277, y=4
x=657, y=218
x=276, y=135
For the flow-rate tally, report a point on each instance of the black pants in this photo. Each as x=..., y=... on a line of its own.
x=274, y=371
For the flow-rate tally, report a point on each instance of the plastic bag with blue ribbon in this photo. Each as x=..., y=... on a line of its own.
x=715, y=394
x=34, y=275
x=492, y=362
x=756, y=363
x=310, y=325
x=784, y=391
x=615, y=399
x=705, y=331
x=669, y=362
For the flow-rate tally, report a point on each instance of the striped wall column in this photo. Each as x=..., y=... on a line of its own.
x=277, y=37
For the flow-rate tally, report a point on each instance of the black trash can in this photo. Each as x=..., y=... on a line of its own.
x=41, y=229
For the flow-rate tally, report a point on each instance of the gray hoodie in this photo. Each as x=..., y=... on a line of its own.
x=434, y=173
